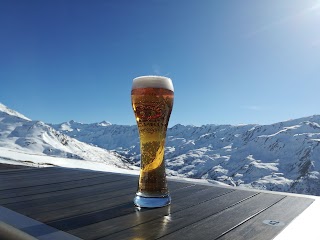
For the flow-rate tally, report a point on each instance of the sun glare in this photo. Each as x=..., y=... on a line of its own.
x=315, y=7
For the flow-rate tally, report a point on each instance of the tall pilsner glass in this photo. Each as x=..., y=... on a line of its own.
x=152, y=101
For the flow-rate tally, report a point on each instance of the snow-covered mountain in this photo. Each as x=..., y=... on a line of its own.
x=19, y=134
x=284, y=156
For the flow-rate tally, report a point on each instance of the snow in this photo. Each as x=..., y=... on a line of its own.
x=104, y=124
x=15, y=157
x=9, y=156
x=36, y=138
x=11, y=112
x=280, y=157
x=66, y=127
x=34, y=143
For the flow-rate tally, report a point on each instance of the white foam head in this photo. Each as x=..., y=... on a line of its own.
x=152, y=82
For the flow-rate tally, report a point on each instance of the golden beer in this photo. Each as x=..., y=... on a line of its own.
x=152, y=101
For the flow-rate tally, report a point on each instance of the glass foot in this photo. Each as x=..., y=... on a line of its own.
x=151, y=202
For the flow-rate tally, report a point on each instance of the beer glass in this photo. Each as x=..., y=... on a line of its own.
x=152, y=101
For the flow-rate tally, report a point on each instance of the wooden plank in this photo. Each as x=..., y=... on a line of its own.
x=43, y=180
x=54, y=195
x=280, y=214
x=43, y=171
x=83, y=182
x=15, y=177
x=45, y=198
x=115, y=210
x=69, y=195
x=93, y=207
x=181, y=219
x=22, y=171
x=80, y=199
x=82, y=209
x=36, y=180
x=4, y=167
x=52, y=202
x=68, y=202
x=180, y=200
x=215, y=225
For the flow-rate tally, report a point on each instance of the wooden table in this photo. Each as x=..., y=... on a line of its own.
x=98, y=205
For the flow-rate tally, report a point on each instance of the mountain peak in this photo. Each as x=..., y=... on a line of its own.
x=11, y=112
x=104, y=124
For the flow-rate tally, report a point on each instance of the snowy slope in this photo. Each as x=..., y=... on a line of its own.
x=4, y=110
x=20, y=134
x=284, y=156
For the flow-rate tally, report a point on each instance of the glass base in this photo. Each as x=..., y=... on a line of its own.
x=151, y=202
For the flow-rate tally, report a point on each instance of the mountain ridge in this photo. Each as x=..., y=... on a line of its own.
x=282, y=156
x=20, y=133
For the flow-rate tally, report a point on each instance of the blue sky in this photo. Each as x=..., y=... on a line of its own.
x=231, y=61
